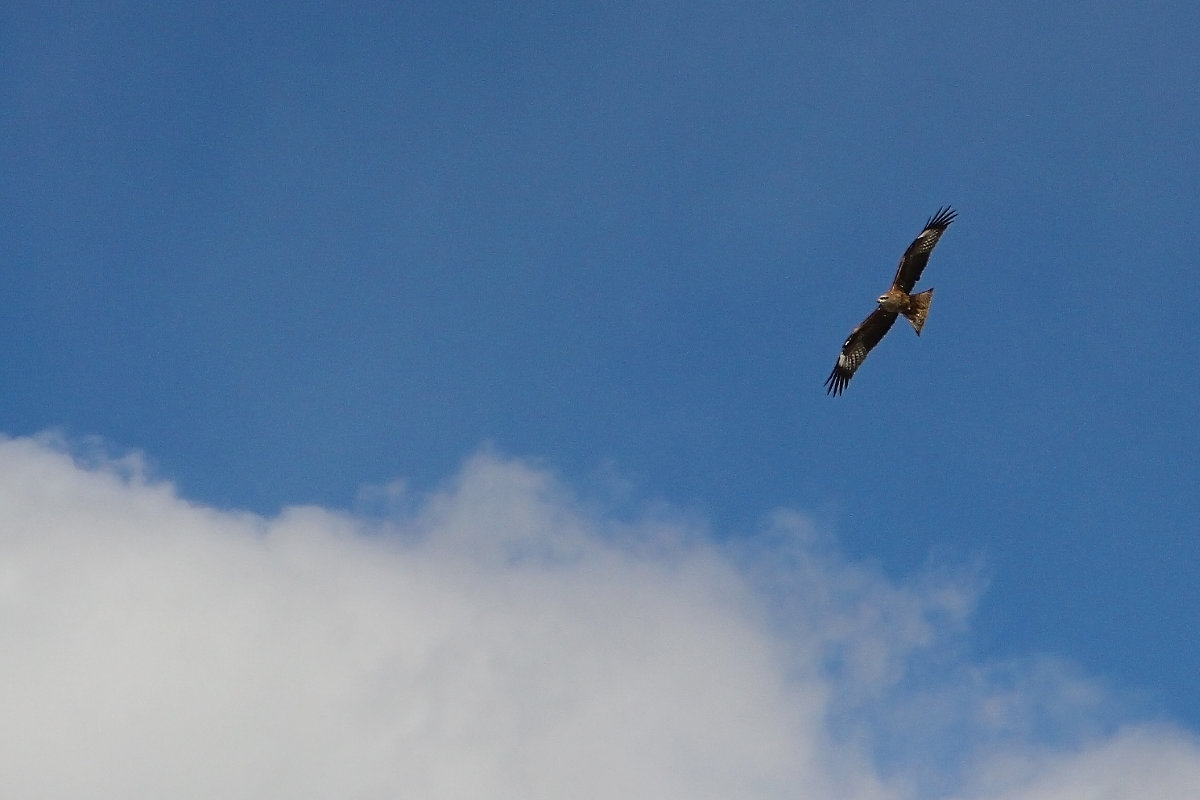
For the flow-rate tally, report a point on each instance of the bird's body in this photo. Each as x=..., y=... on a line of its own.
x=914, y=307
x=895, y=301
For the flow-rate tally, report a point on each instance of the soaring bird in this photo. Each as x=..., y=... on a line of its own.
x=896, y=300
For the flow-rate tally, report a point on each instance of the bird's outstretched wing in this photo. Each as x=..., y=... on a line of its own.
x=856, y=347
x=917, y=255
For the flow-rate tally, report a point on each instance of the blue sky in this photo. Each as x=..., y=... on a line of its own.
x=294, y=251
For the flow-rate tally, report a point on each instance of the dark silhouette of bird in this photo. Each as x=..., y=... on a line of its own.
x=895, y=301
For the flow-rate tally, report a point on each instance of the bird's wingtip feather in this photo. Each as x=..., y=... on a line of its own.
x=942, y=219
x=835, y=383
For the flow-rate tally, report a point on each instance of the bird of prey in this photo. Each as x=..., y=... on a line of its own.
x=897, y=300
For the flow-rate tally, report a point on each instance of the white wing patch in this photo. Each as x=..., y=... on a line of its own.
x=928, y=239
x=850, y=360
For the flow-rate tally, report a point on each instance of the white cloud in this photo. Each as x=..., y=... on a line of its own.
x=502, y=640
x=1141, y=761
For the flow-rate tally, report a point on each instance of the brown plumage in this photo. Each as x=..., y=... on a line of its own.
x=895, y=301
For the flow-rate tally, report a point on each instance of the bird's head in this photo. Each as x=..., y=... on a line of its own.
x=891, y=301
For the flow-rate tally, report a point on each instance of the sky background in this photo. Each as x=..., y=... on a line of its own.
x=349, y=256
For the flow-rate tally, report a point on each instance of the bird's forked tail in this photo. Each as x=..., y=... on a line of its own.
x=918, y=309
